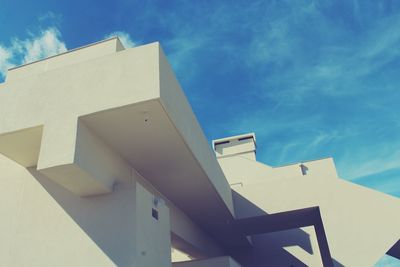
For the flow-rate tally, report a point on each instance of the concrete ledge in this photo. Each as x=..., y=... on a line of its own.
x=73, y=56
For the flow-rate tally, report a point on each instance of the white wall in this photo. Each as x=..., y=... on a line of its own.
x=361, y=224
x=42, y=224
x=114, y=229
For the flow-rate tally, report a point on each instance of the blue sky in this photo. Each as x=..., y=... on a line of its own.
x=311, y=78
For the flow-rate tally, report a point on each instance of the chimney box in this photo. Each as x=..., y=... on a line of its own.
x=241, y=145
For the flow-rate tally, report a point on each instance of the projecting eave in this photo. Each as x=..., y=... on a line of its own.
x=131, y=100
x=162, y=139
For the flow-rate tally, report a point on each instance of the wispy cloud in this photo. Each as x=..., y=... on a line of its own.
x=48, y=43
x=53, y=18
x=387, y=181
x=305, y=53
x=124, y=37
x=5, y=57
x=44, y=44
x=357, y=165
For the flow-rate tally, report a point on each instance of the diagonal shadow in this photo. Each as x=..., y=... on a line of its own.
x=103, y=218
x=272, y=232
x=394, y=251
x=246, y=209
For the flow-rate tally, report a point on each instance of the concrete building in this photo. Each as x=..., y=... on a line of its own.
x=103, y=163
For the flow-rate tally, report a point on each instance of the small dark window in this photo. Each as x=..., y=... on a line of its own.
x=154, y=213
x=304, y=169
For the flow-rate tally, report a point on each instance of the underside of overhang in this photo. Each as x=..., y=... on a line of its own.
x=144, y=136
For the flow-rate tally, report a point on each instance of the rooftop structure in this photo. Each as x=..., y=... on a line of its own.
x=103, y=163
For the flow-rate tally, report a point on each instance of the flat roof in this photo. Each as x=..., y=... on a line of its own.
x=66, y=52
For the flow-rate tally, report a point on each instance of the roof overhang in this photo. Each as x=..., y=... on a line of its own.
x=131, y=100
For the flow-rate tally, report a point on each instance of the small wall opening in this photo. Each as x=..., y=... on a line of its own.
x=304, y=169
x=154, y=214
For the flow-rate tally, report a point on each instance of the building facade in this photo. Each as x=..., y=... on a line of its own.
x=103, y=163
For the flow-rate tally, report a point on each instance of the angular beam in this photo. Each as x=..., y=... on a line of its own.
x=279, y=222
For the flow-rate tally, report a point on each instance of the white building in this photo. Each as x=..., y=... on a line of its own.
x=104, y=164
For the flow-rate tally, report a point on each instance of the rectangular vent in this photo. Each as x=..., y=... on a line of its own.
x=245, y=138
x=222, y=142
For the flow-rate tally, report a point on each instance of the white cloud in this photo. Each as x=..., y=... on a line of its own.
x=375, y=158
x=336, y=69
x=45, y=44
x=5, y=55
x=124, y=37
x=381, y=163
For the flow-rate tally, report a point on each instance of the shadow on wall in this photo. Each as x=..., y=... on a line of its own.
x=394, y=251
x=103, y=218
x=269, y=248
